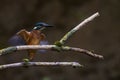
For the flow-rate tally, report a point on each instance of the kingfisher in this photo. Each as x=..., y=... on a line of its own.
x=33, y=37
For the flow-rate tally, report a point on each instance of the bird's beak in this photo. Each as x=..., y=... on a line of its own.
x=42, y=28
x=45, y=27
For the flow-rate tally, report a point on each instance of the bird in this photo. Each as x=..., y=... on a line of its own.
x=33, y=37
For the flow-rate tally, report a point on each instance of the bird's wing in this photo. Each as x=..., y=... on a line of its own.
x=24, y=34
x=19, y=38
x=16, y=40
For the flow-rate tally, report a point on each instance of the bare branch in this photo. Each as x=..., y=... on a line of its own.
x=51, y=47
x=27, y=64
x=89, y=53
x=70, y=33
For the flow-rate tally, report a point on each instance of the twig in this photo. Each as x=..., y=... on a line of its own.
x=70, y=33
x=23, y=64
x=51, y=47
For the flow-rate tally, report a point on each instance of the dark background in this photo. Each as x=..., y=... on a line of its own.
x=101, y=35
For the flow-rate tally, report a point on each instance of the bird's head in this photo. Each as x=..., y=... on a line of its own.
x=41, y=26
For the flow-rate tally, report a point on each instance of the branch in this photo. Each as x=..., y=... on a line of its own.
x=58, y=46
x=51, y=47
x=70, y=33
x=27, y=64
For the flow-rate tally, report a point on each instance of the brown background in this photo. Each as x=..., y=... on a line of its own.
x=101, y=35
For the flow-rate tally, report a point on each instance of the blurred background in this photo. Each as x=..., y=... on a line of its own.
x=102, y=35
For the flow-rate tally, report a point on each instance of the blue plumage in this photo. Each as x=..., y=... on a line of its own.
x=41, y=25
